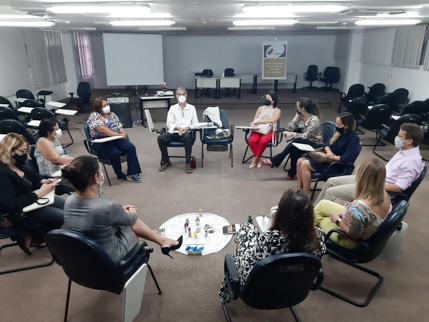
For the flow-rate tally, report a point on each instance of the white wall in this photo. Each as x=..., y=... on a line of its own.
x=352, y=72
x=416, y=81
x=341, y=57
x=185, y=55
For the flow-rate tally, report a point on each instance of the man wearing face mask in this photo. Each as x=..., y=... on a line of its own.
x=50, y=153
x=181, y=119
x=401, y=171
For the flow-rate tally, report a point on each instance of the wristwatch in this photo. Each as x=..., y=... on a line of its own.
x=338, y=222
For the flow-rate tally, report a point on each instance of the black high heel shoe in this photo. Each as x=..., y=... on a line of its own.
x=166, y=250
x=21, y=243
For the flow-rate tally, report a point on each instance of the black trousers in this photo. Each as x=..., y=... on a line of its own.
x=165, y=139
x=294, y=153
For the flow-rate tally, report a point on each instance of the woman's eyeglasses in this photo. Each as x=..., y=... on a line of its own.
x=22, y=151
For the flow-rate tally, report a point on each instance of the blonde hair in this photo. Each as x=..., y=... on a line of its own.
x=9, y=143
x=370, y=180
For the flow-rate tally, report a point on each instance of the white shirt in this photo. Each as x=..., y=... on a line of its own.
x=186, y=117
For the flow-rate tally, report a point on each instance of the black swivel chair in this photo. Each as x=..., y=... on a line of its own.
x=84, y=93
x=7, y=113
x=4, y=100
x=374, y=120
x=278, y=139
x=220, y=144
x=392, y=100
x=14, y=126
x=416, y=107
x=228, y=72
x=358, y=107
x=312, y=75
x=390, y=132
x=403, y=95
x=376, y=92
x=330, y=76
x=87, y=264
x=367, y=251
x=355, y=91
x=275, y=282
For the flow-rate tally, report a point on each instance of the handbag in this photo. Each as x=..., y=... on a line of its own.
x=263, y=128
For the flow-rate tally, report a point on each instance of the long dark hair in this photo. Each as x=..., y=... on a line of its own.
x=310, y=106
x=294, y=218
x=80, y=171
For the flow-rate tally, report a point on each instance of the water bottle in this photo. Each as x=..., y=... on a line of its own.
x=193, y=163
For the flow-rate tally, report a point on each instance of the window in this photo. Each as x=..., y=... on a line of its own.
x=54, y=46
x=377, y=46
x=37, y=58
x=408, y=46
x=82, y=43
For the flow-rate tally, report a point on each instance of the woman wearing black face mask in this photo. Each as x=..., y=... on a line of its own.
x=20, y=188
x=305, y=128
x=342, y=147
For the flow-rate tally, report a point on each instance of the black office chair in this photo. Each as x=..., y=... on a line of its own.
x=7, y=113
x=14, y=126
x=32, y=103
x=177, y=144
x=367, y=251
x=92, y=149
x=207, y=73
x=392, y=100
x=403, y=95
x=4, y=100
x=375, y=92
x=84, y=93
x=390, y=132
x=275, y=282
x=374, y=120
x=312, y=75
x=335, y=169
x=87, y=264
x=273, y=143
x=328, y=129
x=406, y=194
x=217, y=144
x=25, y=93
x=330, y=76
x=39, y=113
x=228, y=72
x=355, y=91
x=416, y=107
x=358, y=107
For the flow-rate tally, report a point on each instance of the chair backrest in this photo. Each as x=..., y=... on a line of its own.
x=416, y=107
x=84, y=261
x=395, y=127
x=32, y=103
x=32, y=163
x=207, y=72
x=328, y=129
x=409, y=192
x=403, y=95
x=358, y=107
x=7, y=113
x=4, y=100
x=229, y=72
x=14, y=126
x=379, y=239
x=84, y=91
x=356, y=90
x=25, y=93
x=39, y=113
x=375, y=91
x=312, y=71
x=332, y=74
x=377, y=116
x=225, y=124
x=92, y=150
x=392, y=100
x=281, y=280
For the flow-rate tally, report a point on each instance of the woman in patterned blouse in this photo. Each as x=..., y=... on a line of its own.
x=102, y=123
x=305, y=128
x=363, y=216
x=292, y=231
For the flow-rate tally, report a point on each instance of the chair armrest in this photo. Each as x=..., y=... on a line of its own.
x=88, y=144
x=232, y=128
x=231, y=277
x=319, y=280
x=348, y=167
x=339, y=232
x=133, y=252
x=385, y=126
x=343, y=95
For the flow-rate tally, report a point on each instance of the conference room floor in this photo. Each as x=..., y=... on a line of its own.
x=190, y=285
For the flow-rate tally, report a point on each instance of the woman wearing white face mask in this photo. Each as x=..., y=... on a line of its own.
x=102, y=123
x=114, y=227
x=49, y=152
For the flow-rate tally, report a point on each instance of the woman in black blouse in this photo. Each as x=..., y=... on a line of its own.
x=20, y=188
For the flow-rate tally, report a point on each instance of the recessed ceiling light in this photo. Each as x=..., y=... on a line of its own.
x=19, y=23
x=142, y=22
x=154, y=28
x=263, y=9
x=265, y=22
x=251, y=28
x=317, y=22
x=265, y=15
x=101, y=9
x=149, y=15
x=387, y=22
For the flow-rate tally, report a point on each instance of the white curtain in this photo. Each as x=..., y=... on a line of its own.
x=14, y=73
x=408, y=46
x=82, y=42
x=377, y=46
x=37, y=58
x=54, y=46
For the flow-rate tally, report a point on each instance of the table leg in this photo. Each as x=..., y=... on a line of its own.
x=294, y=84
x=217, y=89
x=196, y=89
x=255, y=83
x=142, y=111
x=239, y=90
x=276, y=84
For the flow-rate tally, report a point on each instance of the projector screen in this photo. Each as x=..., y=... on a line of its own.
x=133, y=59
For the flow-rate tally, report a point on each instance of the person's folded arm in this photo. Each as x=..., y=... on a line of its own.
x=10, y=202
x=312, y=127
x=353, y=223
x=351, y=152
x=104, y=131
x=119, y=217
x=391, y=187
x=49, y=152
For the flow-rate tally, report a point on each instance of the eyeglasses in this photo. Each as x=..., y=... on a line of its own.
x=22, y=151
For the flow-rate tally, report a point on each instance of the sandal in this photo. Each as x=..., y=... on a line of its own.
x=268, y=162
x=288, y=177
x=135, y=179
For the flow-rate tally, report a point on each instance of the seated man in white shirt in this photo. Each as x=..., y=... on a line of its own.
x=401, y=171
x=181, y=118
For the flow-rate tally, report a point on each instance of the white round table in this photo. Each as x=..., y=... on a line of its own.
x=214, y=242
